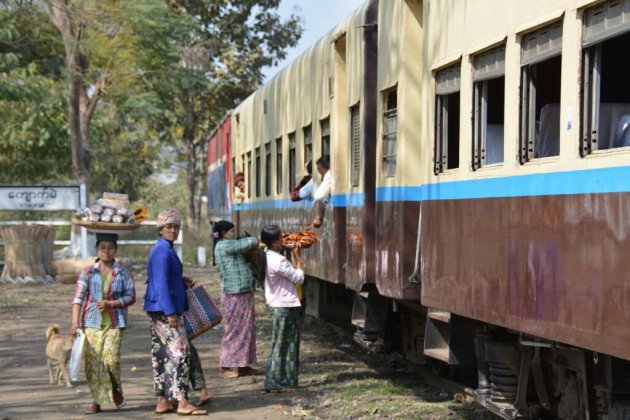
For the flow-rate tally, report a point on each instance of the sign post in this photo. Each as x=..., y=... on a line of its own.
x=46, y=198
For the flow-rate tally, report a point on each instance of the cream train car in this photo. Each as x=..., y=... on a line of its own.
x=525, y=203
x=479, y=218
x=300, y=115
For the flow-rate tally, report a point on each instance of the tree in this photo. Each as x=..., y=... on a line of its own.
x=109, y=48
x=221, y=63
x=33, y=145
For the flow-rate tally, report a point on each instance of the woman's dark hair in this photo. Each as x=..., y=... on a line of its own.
x=309, y=167
x=218, y=230
x=107, y=237
x=270, y=234
x=324, y=161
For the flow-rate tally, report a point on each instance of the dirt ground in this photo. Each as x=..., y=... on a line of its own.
x=338, y=379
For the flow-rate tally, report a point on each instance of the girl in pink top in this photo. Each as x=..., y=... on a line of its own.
x=284, y=306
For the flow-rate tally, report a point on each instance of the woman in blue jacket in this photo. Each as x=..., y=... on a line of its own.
x=164, y=302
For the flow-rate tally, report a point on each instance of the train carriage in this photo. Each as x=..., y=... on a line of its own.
x=220, y=174
x=481, y=151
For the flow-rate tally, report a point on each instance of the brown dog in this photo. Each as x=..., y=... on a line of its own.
x=58, y=350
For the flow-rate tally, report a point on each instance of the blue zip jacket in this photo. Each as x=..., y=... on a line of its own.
x=165, y=281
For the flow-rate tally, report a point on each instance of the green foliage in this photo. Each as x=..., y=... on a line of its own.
x=34, y=131
x=158, y=72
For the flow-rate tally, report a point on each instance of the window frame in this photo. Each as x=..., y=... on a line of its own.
x=355, y=144
x=481, y=77
x=389, y=138
x=528, y=86
x=448, y=82
x=279, y=172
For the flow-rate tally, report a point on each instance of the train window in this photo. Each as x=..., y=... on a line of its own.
x=540, y=93
x=605, y=84
x=248, y=174
x=447, y=118
x=258, y=172
x=308, y=143
x=355, y=145
x=279, y=173
x=488, y=107
x=390, y=123
x=268, y=169
x=324, y=126
x=292, y=167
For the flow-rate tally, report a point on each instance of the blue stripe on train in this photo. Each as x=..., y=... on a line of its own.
x=591, y=181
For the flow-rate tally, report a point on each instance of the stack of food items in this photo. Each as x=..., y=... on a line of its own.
x=303, y=238
x=111, y=208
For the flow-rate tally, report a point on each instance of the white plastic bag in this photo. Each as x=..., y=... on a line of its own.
x=76, y=356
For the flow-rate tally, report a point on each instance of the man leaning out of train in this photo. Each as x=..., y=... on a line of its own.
x=322, y=193
x=284, y=305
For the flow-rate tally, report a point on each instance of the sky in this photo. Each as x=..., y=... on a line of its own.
x=318, y=17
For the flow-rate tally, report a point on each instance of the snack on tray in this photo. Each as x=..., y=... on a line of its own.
x=304, y=238
x=112, y=208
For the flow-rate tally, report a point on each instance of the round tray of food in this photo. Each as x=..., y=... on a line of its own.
x=302, y=239
x=105, y=227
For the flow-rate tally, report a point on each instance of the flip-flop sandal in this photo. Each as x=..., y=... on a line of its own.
x=205, y=401
x=170, y=410
x=121, y=404
x=193, y=412
x=92, y=409
x=229, y=374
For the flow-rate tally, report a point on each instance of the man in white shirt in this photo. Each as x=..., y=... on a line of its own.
x=322, y=193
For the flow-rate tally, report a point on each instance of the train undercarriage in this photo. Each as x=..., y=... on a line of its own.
x=513, y=375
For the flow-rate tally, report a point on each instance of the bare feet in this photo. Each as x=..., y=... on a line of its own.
x=163, y=406
x=204, y=397
x=228, y=373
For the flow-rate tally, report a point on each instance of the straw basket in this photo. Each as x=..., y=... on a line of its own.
x=105, y=227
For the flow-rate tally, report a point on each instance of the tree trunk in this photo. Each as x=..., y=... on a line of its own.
x=80, y=106
x=191, y=171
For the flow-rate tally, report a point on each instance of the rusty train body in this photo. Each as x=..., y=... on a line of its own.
x=480, y=219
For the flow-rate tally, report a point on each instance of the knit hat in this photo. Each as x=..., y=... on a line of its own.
x=169, y=216
x=239, y=176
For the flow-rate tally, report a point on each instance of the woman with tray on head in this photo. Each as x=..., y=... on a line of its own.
x=105, y=289
x=164, y=302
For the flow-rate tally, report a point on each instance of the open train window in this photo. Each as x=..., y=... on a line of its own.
x=605, y=86
x=488, y=107
x=292, y=161
x=447, y=118
x=355, y=145
x=279, y=173
x=308, y=143
x=324, y=126
x=540, y=93
x=268, y=168
x=258, y=172
x=390, y=130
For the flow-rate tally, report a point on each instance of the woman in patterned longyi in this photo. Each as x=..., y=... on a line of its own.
x=284, y=305
x=164, y=302
x=105, y=289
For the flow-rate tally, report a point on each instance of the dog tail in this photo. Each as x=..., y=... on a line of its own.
x=52, y=330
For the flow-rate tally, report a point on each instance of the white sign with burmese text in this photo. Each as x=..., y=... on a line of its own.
x=15, y=197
